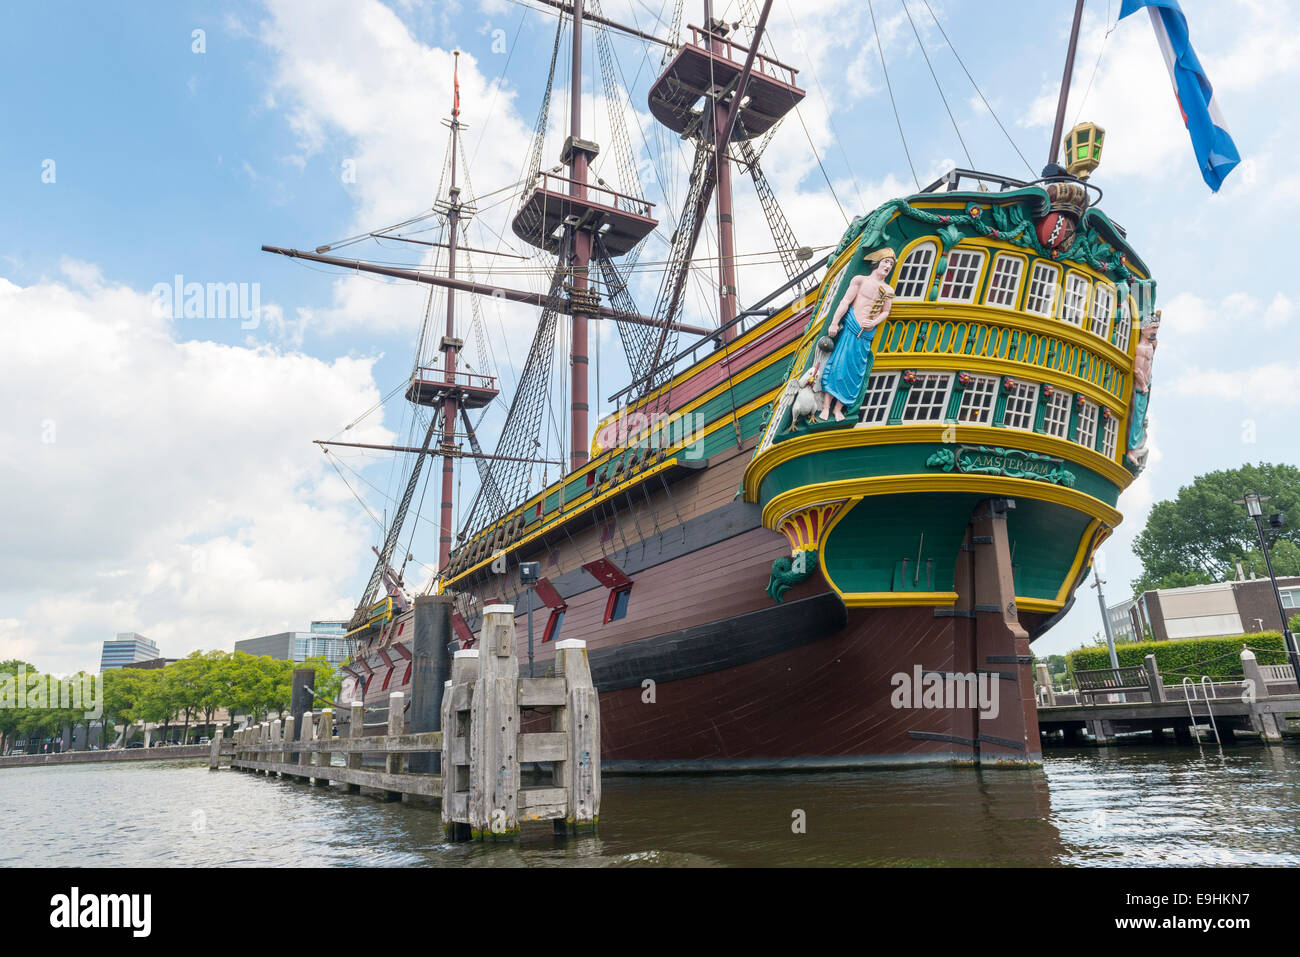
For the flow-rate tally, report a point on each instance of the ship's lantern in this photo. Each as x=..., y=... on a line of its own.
x=1083, y=149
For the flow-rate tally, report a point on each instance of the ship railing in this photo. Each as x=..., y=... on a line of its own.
x=471, y=380
x=556, y=183
x=951, y=181
x=737, y=52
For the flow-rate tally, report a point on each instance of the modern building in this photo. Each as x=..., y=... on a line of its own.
x=152, y=663
x=1206, y=611
x=125, y=649
x=324, y=640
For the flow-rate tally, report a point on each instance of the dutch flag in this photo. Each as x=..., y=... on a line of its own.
x=1215, y=151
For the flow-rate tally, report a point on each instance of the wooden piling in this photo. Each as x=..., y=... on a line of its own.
x=456, y=697
x=494, y=730
x=305, y=734
x=324, y=732
x=214, y=754
x=581, y=774
x=356, y=729
x=396, y=725
x=1264, y=722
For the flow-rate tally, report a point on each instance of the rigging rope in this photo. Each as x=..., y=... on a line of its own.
x=978, y=90
x=890, y=88
x=937, y=85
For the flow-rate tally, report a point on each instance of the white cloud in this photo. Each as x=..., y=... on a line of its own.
x=165, y=487
x=1267, y=386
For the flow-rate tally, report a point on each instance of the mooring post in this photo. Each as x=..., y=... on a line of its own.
x=494, y=731
x=356, y=729
x=277, y=740
x=430, y=669
x=302, y=684
x=324, y=731
x=305, y=735
x=396, y=726
x=263, y=739
x=1155, y=684
x=1045, y=682
x=456, y=782
x=285, y=756
x=1255, y=687
x=214, y=753
x=582, y=711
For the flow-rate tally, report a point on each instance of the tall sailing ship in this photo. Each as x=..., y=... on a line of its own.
x=823, y=530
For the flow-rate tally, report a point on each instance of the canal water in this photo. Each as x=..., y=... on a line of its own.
x=1125, y=806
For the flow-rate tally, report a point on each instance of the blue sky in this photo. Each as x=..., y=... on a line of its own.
x=158, y=473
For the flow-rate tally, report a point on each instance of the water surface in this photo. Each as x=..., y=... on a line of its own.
x=1126, y=806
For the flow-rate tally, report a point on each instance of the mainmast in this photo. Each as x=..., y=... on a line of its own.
x=450, y=344
x=577, y=154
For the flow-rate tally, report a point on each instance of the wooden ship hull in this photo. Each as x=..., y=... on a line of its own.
x=753, y=592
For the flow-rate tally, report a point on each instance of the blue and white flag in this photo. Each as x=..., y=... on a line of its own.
x=1215, y=151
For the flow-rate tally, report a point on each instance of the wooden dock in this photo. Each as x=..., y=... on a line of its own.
x=482, y=748
x=1258, y=706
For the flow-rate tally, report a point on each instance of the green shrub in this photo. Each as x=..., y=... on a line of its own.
x=1220, y=658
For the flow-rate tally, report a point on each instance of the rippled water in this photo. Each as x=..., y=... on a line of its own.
x=1118, y=806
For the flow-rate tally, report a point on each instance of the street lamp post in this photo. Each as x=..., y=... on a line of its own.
x=1252, y=502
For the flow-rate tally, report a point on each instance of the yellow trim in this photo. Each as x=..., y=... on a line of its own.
x=814, y=442
x=859, y=488
x=863, y=488
x=998, y=368
x=897, y=599
x=1039, y=605
x=907, y=311
x=929, y=276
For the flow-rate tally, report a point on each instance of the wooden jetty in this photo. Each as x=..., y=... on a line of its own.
x=484, y=753
x=1257, y=706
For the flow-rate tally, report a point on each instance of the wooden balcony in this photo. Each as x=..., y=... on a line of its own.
x=697, y=71
x=547, y=209
x=430, y=386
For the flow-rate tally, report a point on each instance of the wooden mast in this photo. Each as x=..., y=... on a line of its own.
x=1054, y=148
x=578, y=154
x=450, y=344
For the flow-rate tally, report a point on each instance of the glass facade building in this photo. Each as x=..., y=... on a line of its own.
x=127, y=648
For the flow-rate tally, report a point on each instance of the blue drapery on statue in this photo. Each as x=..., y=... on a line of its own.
x=1137, y=418
x=847, y=366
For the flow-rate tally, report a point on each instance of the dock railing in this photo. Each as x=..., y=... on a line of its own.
x=483, y=745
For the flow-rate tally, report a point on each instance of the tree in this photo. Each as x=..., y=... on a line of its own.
x=1198, y=537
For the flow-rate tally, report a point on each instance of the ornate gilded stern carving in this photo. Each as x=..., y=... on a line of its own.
x=805, y=530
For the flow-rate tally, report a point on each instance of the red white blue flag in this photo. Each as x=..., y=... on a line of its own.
x=1215, y=151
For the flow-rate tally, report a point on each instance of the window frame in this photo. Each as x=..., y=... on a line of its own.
x=980, y=257
x=1084, y=299
x=553, y=624
x=1109, y=428
x=1123, y=321
x=1052, y=284
x=971, y=391
x=1058, y=400
x=1017, y=393
x=888, y=392
x=1019, y=262
x=1099, y=289
x=927, y=277
x=1093, y=423
x=917, y=387
x=611, y=603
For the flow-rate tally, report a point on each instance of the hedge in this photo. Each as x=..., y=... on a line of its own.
x=1220, y=658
